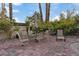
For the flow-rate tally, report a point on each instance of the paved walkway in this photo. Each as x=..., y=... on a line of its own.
x=46, y=47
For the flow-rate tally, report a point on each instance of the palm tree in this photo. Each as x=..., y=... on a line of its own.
x=47, y=11
x=3, y=10
x=41, y=15
x=10, y=11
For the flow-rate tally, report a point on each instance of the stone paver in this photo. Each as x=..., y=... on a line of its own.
x=46, y=47
x=75, y=47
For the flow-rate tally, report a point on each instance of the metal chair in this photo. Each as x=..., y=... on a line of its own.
x=60, y=35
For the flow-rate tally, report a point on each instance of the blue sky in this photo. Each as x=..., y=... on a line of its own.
x=22, y=10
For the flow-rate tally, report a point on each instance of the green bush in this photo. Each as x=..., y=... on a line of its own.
x=27, y=23
x=16, y=28
x=44, y=25
x=41, y=25
x=5, y=26
x=48, y=25
x=67, y=25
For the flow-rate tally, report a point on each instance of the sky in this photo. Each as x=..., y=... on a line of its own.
x=22, y=10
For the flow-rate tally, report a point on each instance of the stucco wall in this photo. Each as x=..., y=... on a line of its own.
x=21, y=28
x=3, y=36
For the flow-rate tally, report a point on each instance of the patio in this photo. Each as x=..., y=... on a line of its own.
x=46, y=47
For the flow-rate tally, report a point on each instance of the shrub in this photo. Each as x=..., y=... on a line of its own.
x=16, y=28
x=27, y=23
x=41, y=25
x=67, y=25
x=48, y=25
x=5, y=26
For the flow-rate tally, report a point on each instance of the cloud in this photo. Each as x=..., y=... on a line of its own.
x=75, y=13
x=0, y=5
x=58, y=16
x=7, y=9
x=14, y=10
x=18, y=20
x=77, y=4
x=65, y=13
x=54, y=8
x=55, y=18
x=17, y=4
x=31, y=13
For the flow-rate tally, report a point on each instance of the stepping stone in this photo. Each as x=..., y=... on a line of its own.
x=75, y=47
x=3, y=52
x=11, y=52
x=77, y=39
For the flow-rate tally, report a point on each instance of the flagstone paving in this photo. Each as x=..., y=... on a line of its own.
x=46, y=47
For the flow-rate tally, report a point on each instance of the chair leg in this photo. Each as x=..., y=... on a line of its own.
x=64, y=40
x=36, y=40
x=22, y=44
x=56, y=39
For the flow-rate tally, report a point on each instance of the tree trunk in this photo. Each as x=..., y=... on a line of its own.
x=47, y=11
x=41, y=15
x=10, y=11
x=3, y=10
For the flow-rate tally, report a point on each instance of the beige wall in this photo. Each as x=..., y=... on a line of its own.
x=3, y=36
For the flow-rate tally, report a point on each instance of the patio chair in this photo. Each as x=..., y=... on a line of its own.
x=23, y=36
x=60, y=35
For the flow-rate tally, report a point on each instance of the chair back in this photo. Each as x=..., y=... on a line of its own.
x=60, y=32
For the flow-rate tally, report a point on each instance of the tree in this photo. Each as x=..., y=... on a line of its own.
x=47, y=11
x=3, y=11
x=62, y=16
x=77, y=18
x=10, y=11
x=41, y=15
x=70, y=13
x=38, y=16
